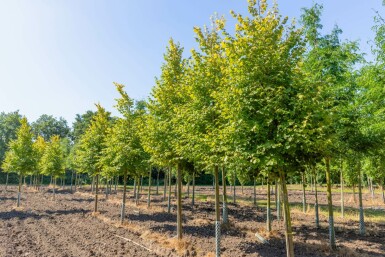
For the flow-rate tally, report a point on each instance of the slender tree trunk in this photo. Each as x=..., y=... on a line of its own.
x=19, y=192
x=54, y=185
x=6, y=182
x=164, y=186
x=188, y=188
x=225, y=211
x=254, y=193
x=122, y=214
x=276, y=193
x=96, y=193
x=137, y=194
x=149, y=188
x=116, y=184
x=72, y=178
x=303, y=193
x=179, y=199
x=217, y=214
x=371, y=186
x=362, y=221
x=278, y=204
x=135, y=189
x=242, y=189
x=141, y=183
x=157, y=183
x=383, y=193
x=316, y=209
x=342, y=191
x=330, y=205
x=106, y=188
x=193, y=190
x=42, y=181
x=169, y=191
x=268, y=211
x=234, y=182
x=286, y=216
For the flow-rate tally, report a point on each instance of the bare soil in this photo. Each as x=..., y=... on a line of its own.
x=66, y=226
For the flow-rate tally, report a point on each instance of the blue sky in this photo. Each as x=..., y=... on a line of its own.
x=60, y=57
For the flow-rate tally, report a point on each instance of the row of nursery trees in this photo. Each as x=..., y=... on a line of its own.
x=269, y=100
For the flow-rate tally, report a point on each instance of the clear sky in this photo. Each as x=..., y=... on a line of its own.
x=60, y=57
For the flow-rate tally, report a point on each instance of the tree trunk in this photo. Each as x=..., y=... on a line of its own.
x=332, y=239
x=316, y=209
x=96, y=193
x=268, y=211
x=193, y=190
x=383, y=193
x=225, y=212
x=135, y=189
x=169, y=191
x=362, y=221
x=164, y=186
x=278, y=197
x=179, y=199
x=106, y=188
x=137, y=194
x=141, y=184
x=188, y=188
x=122, y=213
x=149, y=188
x=217, y=214
x=254, y=193
x=54, y=185
x=303, y=193
x=157, y=183
x=234, y=182
x=286, y=216
x=19, y=192
x=342, y=191
x=6, y=182
x=116, y=184
x=371, y=186
x=72, y=177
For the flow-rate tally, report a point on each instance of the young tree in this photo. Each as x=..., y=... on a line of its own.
x=91, y=147
x=53, y=160
x=20, y=156
x=160, y=138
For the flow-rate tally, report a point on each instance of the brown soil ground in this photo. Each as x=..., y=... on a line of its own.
x=66, y=226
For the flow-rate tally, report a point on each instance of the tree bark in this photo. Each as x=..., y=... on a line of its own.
x=157, y=183
x=268, y=212
x=286, y=216
x=19, y=192
x=303, y=193
x=316, y=209
x=217, y=213
x=96, y=193
x=342, y=191
x=193, y=190
x=332, y=240
x=169, y=191
x=225, y=212
x=122, y=214
x=149, y=188
x=362, y=221
x=6, y=182
x=165, y=186
x=234, y=182
x=254, y=193
x=179, y=199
